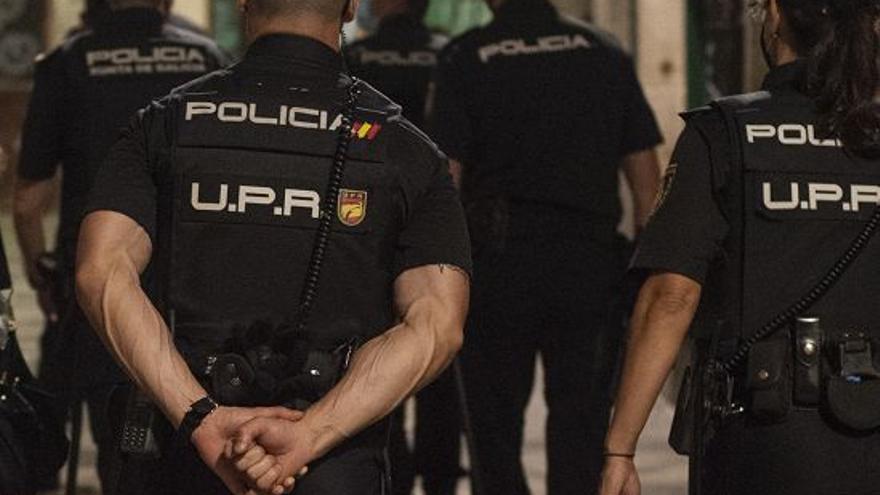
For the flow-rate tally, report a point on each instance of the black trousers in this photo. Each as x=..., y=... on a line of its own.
x=804, y=455
x=435, y=453
x=557, y=299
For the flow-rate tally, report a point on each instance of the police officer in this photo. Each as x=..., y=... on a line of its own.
x=768, y=191
x=399, y=59
x=83, y=93
x=270, y=271
x=94, y=9
x=540, y=114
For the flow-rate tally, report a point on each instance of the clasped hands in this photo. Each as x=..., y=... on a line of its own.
x=255, y=451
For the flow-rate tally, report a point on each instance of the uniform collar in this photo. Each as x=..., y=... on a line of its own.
x=296, y=49
x=789, y=76
x=134, y=21
x=403, y=27
x=519, y=11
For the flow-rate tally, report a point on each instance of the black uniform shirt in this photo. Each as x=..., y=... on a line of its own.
x=688, y=230
x=237, y=266
x=86, y=90
x=541, y=109
x=399, y=60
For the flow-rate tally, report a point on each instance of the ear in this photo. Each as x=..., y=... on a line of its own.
x=773, y=22
x=350, y=10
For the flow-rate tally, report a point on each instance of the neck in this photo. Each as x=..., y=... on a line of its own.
x=134, y=4
x=785, y=55
x=307, y=26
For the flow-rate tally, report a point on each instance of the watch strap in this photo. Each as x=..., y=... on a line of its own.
x=198, y=411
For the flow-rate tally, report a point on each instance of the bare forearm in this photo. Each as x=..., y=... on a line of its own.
x=112, y=252
x=383, y=373
x=659, y=325
x=29, y=206
x=456, y=170
x=134, y=332
x=642, y=171
x=31, y=239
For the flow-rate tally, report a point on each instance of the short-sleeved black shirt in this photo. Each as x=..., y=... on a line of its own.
x=541, y=109
x=399, y=60
x=253, y=267
x=86, y=90
x=687, y=231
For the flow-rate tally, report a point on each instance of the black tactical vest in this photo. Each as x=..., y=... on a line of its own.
x=247, y=178
x=796, y=200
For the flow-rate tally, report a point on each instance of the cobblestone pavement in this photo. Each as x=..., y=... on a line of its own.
x=662, y=472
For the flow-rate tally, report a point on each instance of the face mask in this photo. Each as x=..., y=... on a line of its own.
x=365, y=18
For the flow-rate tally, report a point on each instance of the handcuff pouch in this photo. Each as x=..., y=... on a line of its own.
x=768, y=380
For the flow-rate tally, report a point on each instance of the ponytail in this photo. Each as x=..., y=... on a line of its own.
x=841, y=40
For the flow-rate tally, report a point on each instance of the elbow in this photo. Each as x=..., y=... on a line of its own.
x=449, y=338
x=90, y=280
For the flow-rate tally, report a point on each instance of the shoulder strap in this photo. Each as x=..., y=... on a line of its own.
x=731, y=327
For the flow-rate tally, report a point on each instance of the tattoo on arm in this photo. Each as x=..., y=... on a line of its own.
x=444, y=267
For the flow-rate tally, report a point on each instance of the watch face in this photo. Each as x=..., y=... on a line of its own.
x=204, y=406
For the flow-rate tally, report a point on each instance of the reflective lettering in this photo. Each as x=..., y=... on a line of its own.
x=253, y=117
x=200, y=205
x=860, y=193
x=772, y=204
x=297, y=198
x=232, y=112
x=295, y=121
x=792, y=134
x=546, y=44
x=823, y=192
x=199, y=108
x=254, y=195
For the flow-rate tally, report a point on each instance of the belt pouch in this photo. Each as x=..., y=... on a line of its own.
x=853, y=395
x=681, y=433
x=768, y=380
x=807, y=365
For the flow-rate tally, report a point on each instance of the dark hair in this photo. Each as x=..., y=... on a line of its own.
x=419, y=7
x=841, y=42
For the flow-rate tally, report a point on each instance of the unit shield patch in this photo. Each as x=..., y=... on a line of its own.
x=352, y=207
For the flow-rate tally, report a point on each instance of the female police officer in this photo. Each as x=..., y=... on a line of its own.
x=765, y=194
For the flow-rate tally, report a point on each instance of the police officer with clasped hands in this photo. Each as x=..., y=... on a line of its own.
x=308, y=249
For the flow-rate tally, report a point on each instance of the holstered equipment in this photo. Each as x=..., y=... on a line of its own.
x=807, y=363
x=853, y=393
x=270, y=365
x=767, y=379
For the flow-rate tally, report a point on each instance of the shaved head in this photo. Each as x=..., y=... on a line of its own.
x=327, y=9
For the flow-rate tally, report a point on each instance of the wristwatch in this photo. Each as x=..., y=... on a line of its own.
x=198, y=411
